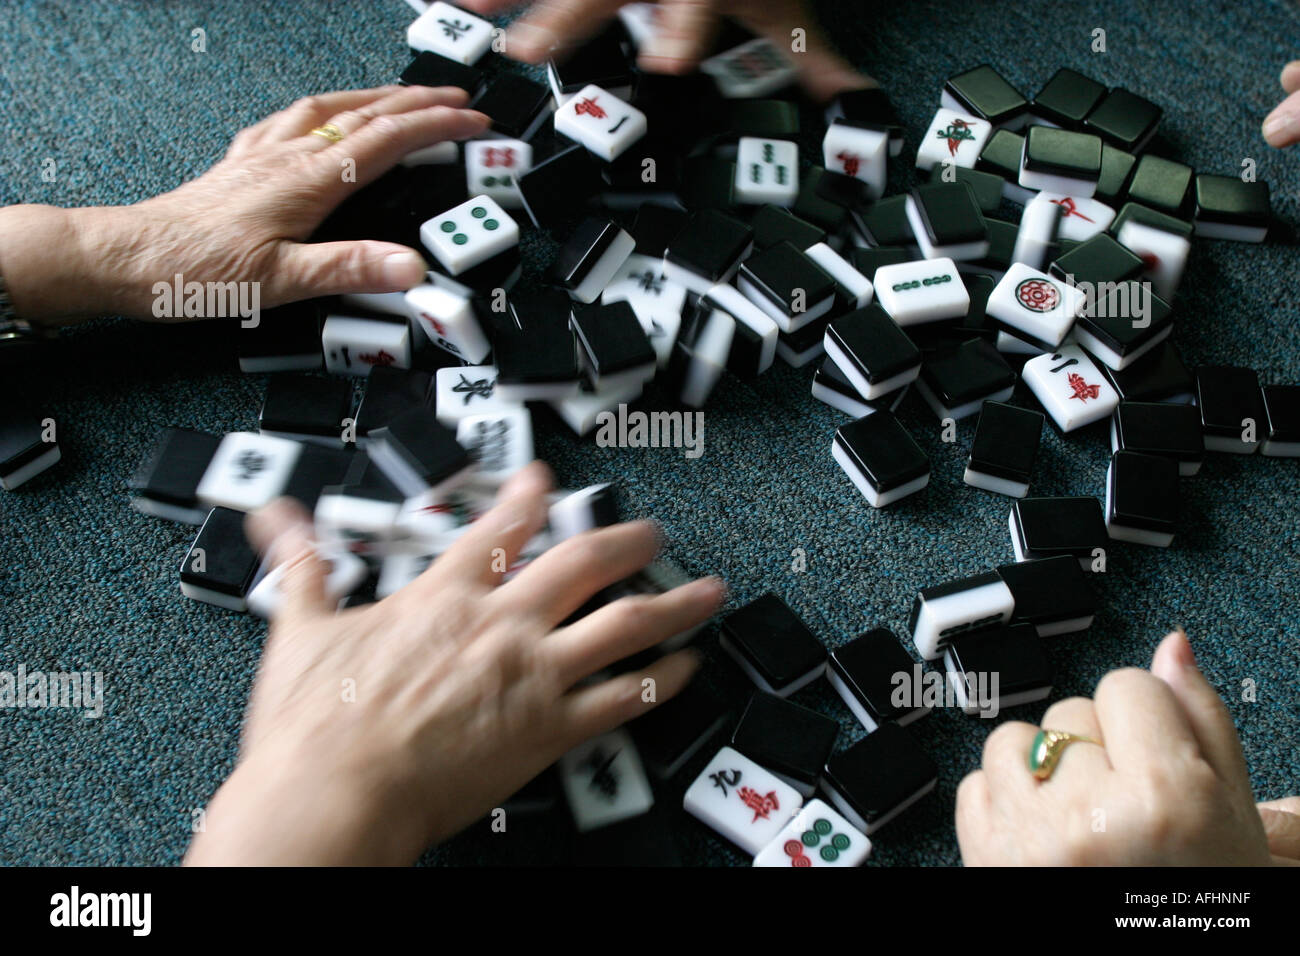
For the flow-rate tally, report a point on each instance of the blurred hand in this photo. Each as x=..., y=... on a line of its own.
x=1282, y=126
x=687, y=28
x=464, y=688
x=1167, y=787
x=244, y=220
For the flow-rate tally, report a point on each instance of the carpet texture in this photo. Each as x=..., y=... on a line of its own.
x=115, y=96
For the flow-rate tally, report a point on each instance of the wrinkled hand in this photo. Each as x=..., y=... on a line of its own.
x=1168, y=786
x=687, y=28
x=245, y=219
x=464, y=688
x=1282, y=126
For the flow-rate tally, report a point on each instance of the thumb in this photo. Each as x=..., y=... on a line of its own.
x=1283, y=831
x=1210, y=721
x=1282, y=126
x=283, y=532
x=308, y=270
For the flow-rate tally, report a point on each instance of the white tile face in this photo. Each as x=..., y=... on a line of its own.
x=469, y=234
x=842, y=271
x=1080, y=218
x=601, y=122
x=1070, y=387
x=817, y=836
x=248, y=471
x=860, y=153
x=1036, y=304
x=745, y=803
x=451, y=32
x=493, y=168
x=604, y=782
x=355, y=346
x=449, y=322
x=502, y=443
x=468, y=390
x=952, y=138
x=1164, y=253
x=923, y=291
x=756, y=68
x=767, y=171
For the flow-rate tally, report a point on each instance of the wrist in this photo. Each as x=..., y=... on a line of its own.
x=62, y=266
x=269, y=813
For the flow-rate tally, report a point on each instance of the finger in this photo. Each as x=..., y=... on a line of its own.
x=552, y=25
x=822, y=71
x=1283, y=832
x=1210, y=721
x=405, y=100
x=379, y=145
x=1286, y=805
x=563, y=579
x=685, y=31
x=972, y=816
x=283, y=532
x=1282, y=126
x=495, y=539
x=1078, y=715
x=1006, y=759
x=1291, y=77
x=308, y=270
x=597, y=708
x=628, y=626
x=311, y=111
x=1143, y=724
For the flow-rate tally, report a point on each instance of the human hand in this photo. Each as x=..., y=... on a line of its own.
x=244, y=220
x=1167, y=787
x=1282, y=126
x=687, y=27
x=464, y=688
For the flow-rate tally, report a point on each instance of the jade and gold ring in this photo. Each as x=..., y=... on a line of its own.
x=1045, y=752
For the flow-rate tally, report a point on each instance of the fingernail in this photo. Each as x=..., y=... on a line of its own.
x=1281, y=128
x=402, y=270
x=1183, y=648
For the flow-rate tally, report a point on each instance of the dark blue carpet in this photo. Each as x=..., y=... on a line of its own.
x=113, y=93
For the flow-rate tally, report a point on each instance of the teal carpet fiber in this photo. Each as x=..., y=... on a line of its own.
x=114, y=95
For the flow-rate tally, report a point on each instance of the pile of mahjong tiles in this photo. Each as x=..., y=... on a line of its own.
x=692, y=243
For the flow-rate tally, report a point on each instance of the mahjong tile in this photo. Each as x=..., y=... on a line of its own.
x=601, y=122
x=1070, y=387
x=247, y=471
x=604, y=782
x=739, y=799
x=469, y=234
x=817, y=836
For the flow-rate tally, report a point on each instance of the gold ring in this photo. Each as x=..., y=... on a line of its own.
x=329, y=131
x=1045, y=752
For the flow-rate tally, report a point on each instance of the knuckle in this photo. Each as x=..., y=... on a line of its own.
x=1003, y=737
x=387, y=126
x=1063, y=710
x=631, y=613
